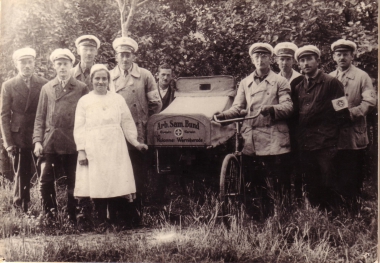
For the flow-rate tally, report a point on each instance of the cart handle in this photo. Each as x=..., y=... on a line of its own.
x=237, y=119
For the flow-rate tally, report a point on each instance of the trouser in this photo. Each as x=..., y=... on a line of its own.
x=48, y=177
x=271, y=177
x=119, y=210
x=297, y=175
x=140, y=169
x=23, y=168
x=102, y=205
x=319, y=175
x=350, y=165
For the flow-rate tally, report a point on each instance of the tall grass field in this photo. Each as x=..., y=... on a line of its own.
x=190, y=228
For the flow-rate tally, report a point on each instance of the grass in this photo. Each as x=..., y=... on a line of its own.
x=189, y=228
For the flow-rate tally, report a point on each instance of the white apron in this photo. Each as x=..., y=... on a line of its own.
x=102, y=123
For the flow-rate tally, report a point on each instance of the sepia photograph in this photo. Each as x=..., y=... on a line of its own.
x=189, y=131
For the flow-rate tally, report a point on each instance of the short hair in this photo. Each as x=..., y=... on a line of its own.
x=164, y=66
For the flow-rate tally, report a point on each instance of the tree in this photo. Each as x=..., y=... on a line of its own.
x=198, y=37
x=127, y=6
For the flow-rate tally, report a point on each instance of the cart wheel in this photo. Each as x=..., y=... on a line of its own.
x=230, y=181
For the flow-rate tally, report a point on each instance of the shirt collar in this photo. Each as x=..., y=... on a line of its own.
x=312, y=77
x=344, y=71
x=128, y=70
x=64, y=81
x=26, y=79
x=256, y=76
x=84, y=70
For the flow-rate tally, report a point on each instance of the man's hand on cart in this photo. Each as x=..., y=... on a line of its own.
x=82, y=157
x=219, y=115
x=142, y=147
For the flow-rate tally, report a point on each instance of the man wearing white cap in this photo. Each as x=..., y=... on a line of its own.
x=318, y=126
x=284, y=52
x=285, y=59
x=19, y=97
x=267, y=136
x=53, y=129
x=87, y=48
x=139, y=89
x=353, y=139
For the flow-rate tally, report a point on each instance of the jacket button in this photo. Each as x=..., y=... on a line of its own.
x=346, y=94
x=134, y=105
x=268, y=93
x=133, y=90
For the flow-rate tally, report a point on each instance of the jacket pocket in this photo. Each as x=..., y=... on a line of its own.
x=282, y=135
x=249, y=147
x=360, y=129
x=360, y=125
x=15, y=127
x=282, y=127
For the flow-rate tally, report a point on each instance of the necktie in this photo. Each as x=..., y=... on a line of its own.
x=59, y=88
x=310, y=82
x=86, y=72
x=125, y=73
x=27, y=82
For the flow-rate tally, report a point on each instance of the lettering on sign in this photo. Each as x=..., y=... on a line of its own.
x=180, y=130
x=174, y=124
x=159, y=139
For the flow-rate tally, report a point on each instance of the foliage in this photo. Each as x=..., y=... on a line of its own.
x=198, y=37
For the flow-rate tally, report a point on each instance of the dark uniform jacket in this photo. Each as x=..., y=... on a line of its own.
x=77, y=73
x=54, y=123
x=318, y=123
x=169, y=95
x=18, y=110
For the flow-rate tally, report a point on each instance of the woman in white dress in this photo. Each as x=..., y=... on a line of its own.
x=102, y=123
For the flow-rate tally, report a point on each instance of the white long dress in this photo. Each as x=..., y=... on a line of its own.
x=102, y=122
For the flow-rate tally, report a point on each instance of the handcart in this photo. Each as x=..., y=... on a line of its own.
x=184, y=136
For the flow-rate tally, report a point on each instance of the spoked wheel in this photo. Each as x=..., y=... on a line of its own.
x=231, y=191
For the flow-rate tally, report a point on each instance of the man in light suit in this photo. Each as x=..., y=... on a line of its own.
x=19, y=99
x=139, y=89
x=353, y=140
x=53, y=130
x=266, y=138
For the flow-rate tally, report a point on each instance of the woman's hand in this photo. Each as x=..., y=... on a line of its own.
x=142, y=147
x=82, y=157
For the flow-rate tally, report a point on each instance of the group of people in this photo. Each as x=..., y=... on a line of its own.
x=88, y=123
x=312, y=125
